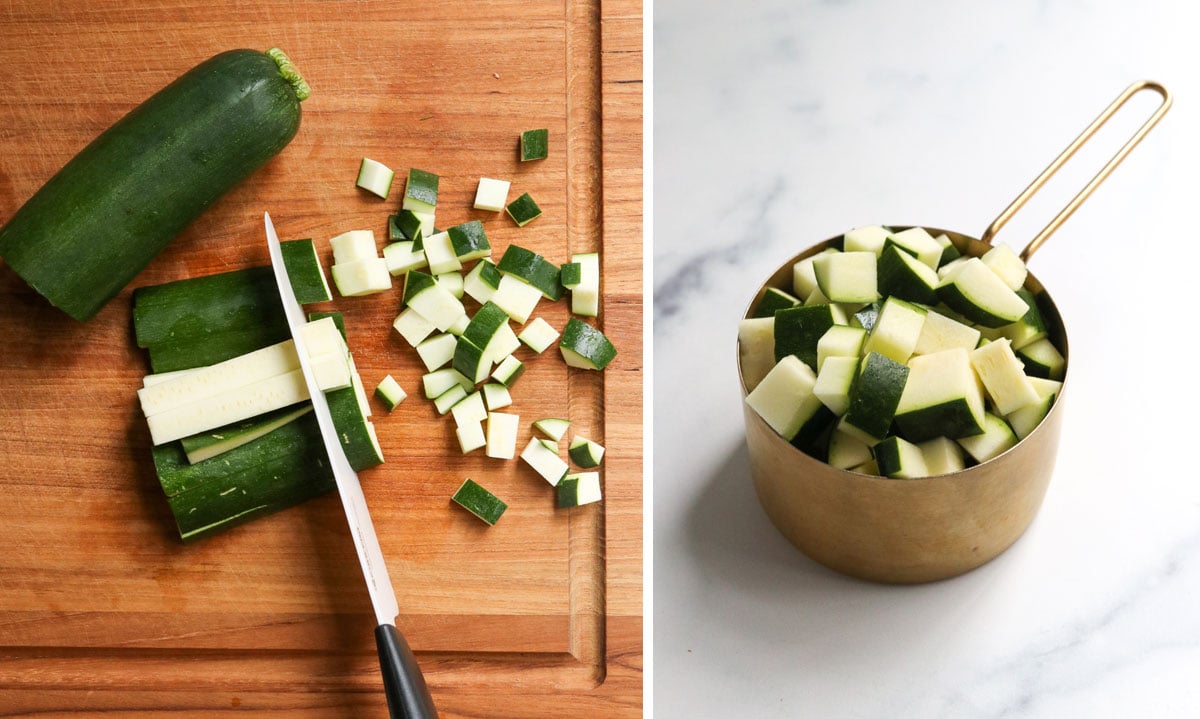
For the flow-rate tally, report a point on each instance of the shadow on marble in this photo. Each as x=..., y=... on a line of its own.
x=762, y=585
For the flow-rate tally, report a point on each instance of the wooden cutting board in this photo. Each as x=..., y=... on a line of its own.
x=102, y=608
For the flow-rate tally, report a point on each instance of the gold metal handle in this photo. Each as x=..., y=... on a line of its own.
x=1059, y=161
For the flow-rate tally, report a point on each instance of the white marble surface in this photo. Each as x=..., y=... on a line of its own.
x=780, y=123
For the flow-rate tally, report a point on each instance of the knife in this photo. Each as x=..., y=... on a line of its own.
x=407, y=695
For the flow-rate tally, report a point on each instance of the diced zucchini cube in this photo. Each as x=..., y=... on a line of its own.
x=584, y=452
x=409, y=224
x=503, y=344
x=496, y=396
x=485, y=325
x=973, y=290
x=940, y=332
x=544, y=461
x=362, y=277
x=874, y=398
x=470, y=436
x=996, y=439
x=896, y=330
x=452, y=281
x=1026, y=419
x=847, y=451
x=502, y=435
x=804, y=277
x=866, y=239
x=1043, y=360
x=432, y=301
x=899, y=459
x=390, y=393
x=941, y=397
x=798, y=330
x=576, y=490
x=471, y=360
x=459, y=326
x=948, y=270
x=534, y=144
x=918, y=243
x=469, y=241
x=523, y=210
x=585, y=346
x=322, y=336
x=816, y=297
x=395, y=234
x=337, y=318
x=538, y=335
x=1028, y=329
x=834, y=382
x=774, y=299
x=508, y=371
x=570, y=274
x=469, y=410
x=413, y=327
x=1045, y=387
x=401, y=258
x=905, y=277
x=1007, y=265
x=491, y=195
x=949, y=250
x=585, y=295
x=428, y=227
x=533, y=269
x=421, y=191
x=840, y=341
x=869, y=468
x=942, y=456
x=784, y=398
x=482, y=281
x=353, y=245
x=847, y=276
x=516, y=298
x=480, y=502
x=553, y=427
x=1003, y=376
x=446, y=400
x=439, y=253
x=866, y=317
x=331, y=371
x=438, y=382
x=756, y=349
x=437, y=351
x=375, y=177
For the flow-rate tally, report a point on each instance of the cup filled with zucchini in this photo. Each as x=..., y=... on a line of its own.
x=903, y=390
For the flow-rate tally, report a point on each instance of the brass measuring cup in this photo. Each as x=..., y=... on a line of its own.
x=919, y=530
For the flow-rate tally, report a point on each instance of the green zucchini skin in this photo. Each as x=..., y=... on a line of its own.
x=200, y=309
x=97, y=222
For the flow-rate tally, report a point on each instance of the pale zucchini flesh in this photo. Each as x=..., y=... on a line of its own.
x=544, y=461
x=375, y=177
x=502, y=435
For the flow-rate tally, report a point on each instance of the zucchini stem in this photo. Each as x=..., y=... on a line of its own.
x=290, y=73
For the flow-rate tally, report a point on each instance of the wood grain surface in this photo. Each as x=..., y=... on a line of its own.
x=103, y=611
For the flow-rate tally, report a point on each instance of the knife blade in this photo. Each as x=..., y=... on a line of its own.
x=407, y=694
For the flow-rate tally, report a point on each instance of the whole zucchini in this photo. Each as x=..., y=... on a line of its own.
x=94, y=225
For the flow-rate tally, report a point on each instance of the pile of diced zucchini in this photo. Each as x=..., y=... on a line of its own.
x=227, y=405
x=892, y=354
x=467, y=315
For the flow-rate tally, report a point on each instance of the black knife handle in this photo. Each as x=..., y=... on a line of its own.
x=407, y=695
